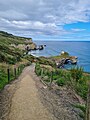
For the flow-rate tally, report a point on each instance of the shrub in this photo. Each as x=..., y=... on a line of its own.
x=55, y=77
x=38, y=69
x=82, y=90
x=76, y=73
x=61, y=82
x=3, y=78
x=38, y=72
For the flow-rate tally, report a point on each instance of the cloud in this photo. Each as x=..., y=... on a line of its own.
x=42, y=16
x=78, y=30
x=32, y=26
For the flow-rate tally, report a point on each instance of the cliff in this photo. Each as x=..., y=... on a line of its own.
x=13, y=47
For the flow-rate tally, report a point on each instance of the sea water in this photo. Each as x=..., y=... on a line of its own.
x=79, y=49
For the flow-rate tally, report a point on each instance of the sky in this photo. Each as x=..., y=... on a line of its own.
x=65, y=20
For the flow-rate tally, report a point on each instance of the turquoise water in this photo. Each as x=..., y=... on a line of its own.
x=79, y=49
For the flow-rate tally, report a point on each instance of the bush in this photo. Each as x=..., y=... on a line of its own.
x=38, y=69
x=76, y=73
x=3, y=78
x=55, y=77
x=82, y=90
x=45, y=61
x=38, y=72
x=61, y=82
x=74, y=78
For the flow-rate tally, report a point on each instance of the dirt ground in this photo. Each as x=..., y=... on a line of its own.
x=28, y=99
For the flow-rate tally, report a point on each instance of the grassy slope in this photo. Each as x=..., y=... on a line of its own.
x=9, y=54
x=74, y=79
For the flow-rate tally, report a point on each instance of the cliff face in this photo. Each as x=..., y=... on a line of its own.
x=24, y=46
x=12, y=47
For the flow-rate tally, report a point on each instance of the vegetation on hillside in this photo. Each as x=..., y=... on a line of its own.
x=8, y=53
x=12, y=57
x=46, y=61
x=14, y=72
x=74, y=78
x=64, y=55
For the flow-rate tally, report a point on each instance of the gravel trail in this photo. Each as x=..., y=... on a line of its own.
x=26, y=104
x=26, y=98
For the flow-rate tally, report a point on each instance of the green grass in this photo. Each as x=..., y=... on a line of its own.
x=65, y=55
x=76, y=73
x=4, y=74
x=3, y=79
x=75, y=78
x=46, y=61
x=82, y=108
x=9, y=54
x=61, y=82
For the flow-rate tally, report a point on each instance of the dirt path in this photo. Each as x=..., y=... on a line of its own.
x=26, y=104
x=28, y=99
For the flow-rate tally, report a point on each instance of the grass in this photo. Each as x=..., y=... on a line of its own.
x=12, y=76
x=76, y=73
x=8, y=53
x=11, y=56
x=3, y=78
x=46, y=61
x=82, y=108
x=65, y=55
x=61, y=82
x=75, y=78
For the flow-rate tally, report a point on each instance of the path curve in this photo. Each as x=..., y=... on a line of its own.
x=26, y=104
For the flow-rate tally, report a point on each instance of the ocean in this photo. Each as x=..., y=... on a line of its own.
x=79, y=49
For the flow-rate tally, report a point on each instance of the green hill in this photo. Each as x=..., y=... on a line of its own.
x=9, y=51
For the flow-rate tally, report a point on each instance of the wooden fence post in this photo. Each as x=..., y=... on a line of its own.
x=87, y=117
x=15, y=72
x=18, y=70
x=8, y=73
x=42, y=73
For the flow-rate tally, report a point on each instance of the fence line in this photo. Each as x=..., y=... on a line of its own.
x=41, y=72
x=14, y=73
x=8, y=74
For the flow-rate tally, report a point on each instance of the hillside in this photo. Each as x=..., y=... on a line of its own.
x=12, y=47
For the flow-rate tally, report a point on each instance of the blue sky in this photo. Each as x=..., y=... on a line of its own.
x=78, y=25
x=79, y=31
x=65, y=20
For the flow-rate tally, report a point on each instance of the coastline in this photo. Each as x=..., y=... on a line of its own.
x=80, y=49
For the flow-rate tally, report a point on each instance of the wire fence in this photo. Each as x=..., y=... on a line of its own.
x=10, y=73
x=46, y=74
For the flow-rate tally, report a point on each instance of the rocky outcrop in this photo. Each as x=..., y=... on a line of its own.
x=30, y=46
x=65, y=58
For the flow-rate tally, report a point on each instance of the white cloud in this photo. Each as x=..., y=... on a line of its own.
x=78, y=30
x=42, y=16
x=35, y=27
